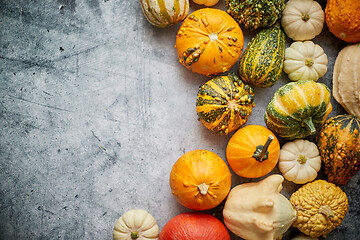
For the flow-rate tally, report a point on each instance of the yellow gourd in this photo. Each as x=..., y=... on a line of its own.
x=321, y=206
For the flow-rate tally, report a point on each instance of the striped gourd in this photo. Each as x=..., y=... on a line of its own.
x=164, y=13
x=224, y=103
x=298, y=109
x=339, y=147
x=261, y=63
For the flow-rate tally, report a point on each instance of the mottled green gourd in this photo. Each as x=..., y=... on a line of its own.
x=339, y=147
x=224, y=103
x=261, y=63
x=255, y=13
x=298, y=109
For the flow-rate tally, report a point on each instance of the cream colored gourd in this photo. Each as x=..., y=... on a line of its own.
x=258, y=211
x=346, y=79
x=302, y=19
x=299, y=161
x=305, y=61
x=164, y=13
x=303, y=237
x=206, y=2
x=136, y=224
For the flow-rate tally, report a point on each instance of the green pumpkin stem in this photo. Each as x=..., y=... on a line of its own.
x=309, y=123
x=134, y=235
x=261, y=153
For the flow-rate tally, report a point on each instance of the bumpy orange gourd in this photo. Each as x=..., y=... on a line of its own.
x=200, y=180
x=253, y=151
x=209, y=41
x=343, y=19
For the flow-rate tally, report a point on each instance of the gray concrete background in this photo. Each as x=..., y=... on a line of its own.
x=94, y=111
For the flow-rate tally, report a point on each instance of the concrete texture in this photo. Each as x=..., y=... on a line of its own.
x=94, y=111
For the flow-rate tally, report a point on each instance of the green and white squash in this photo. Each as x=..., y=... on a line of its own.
x=164, y=13
x=224, y=103
x=261, y=63
x=298, y=109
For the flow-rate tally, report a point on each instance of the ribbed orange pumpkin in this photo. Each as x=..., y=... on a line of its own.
x=253, y=151
x=209, y=41
x=200, y=180
x=343, y=19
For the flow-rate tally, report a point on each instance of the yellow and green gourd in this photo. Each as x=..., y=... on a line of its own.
x=224, y=103
x=261, y=63
x=164, y=13
x=298, y=109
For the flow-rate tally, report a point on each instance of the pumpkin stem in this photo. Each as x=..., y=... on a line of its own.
x=302, y=159
x=203, y=188
x=308, y=122
x=134, y=235
x=261, y=153
x=305, y=17
x=309, y=62
x=327, y=211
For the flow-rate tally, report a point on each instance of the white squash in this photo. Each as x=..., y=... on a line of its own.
x=303, y=237
x=258, y=211
x=305, y=61
x=136, y=224
x=302, y=19
x=206, y=2
x=165, y=13
x=299, y=161
x=346, y=79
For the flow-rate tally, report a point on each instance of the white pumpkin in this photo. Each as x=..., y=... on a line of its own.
x=346, y=79
x=302, y=19
x=206, y=2
x=303, y=237
x=299, y=161
x=305, y=61
x=166, y=12
x=258, y=211
x=136, y=224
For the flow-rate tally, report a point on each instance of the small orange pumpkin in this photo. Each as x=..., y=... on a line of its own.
x=200, y=180
x=343, y=19
x=253, y=151
x=209, y=41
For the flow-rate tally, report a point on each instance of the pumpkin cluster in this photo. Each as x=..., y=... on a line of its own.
x=210, y=42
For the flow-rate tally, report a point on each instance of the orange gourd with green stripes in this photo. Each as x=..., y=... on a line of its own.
x=163, y=13
x=224, y=103
x=261, y=63
x=339, y=147
x=298, y=109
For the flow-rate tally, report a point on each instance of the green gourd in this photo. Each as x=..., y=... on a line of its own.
x=261, y=63
x=298, y=109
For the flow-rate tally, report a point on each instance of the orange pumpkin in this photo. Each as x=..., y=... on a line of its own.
x=253, y=151
x=200, y=180
x=209, y=41
x=343, y=19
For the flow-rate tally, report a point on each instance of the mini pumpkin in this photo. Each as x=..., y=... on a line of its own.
x=258, y=211
x=224, y=103
x=343, y=19
x=299, y=161
x=321, y=206
x=206, y=2
x=209, y=41
x=164, y=13
x=346, y=79
x=302, y=19
x=298, y=109
x=253, y=151
x=339, y=146
x=136, y=224
x=305, y=61
x=200, y=180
